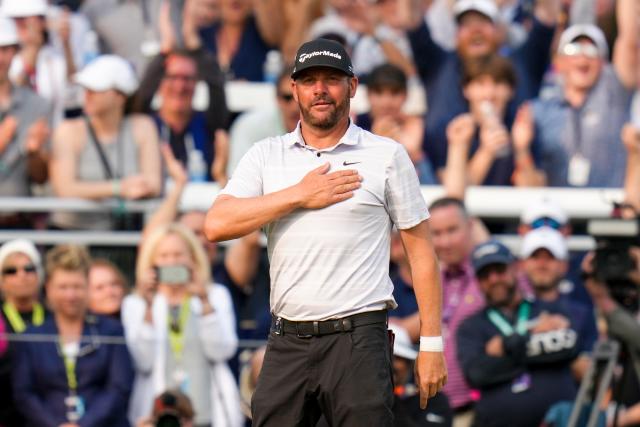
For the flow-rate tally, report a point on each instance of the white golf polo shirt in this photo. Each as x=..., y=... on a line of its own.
x=332, y=262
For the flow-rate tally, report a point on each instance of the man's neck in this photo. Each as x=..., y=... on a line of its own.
x=324, y=138
x=23, y=305
x=177, y=121
x=511, y=307
x=575, y=96
x=69, y=328
x=107, y=125
x=547, y=294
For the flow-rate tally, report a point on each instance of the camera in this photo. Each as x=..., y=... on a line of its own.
x=612, y=263
x=171, y=408
x=173, y=274
x=168, y=419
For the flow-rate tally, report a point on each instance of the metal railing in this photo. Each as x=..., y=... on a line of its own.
x=495, y=203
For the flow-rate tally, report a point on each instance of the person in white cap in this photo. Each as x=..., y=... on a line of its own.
x=21, y=277
x=23, y=130
x=38, y=65
x=544, y=261
x=104, y=154
x=577, y=126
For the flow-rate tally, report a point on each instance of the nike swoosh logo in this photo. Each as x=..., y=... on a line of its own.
x=345, y=163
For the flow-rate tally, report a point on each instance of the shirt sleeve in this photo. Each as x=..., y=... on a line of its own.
x=246, y=180
x=403, y=198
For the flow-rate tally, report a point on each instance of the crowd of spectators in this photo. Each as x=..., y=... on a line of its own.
x=112, y=99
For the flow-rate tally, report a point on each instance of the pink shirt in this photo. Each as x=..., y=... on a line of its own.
x=3, y=340
x=461, y=298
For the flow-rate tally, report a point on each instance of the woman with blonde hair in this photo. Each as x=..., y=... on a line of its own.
x=179, y=326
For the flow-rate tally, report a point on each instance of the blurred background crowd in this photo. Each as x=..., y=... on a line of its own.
x=117, y=101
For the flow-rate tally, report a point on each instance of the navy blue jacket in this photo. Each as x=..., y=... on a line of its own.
x=544, y=358
x=104, y=373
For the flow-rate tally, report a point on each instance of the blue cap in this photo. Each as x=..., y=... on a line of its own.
x=491, y=252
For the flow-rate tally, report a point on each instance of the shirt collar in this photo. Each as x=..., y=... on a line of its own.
x=350, y=137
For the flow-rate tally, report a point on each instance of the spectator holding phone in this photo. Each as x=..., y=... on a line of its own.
x=180, y=329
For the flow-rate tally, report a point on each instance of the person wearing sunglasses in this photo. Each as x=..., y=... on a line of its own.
x=516, y=352
x=20, y=285
x=579, y=121
x=20, y=278
x=81, y=373
x=193, y=135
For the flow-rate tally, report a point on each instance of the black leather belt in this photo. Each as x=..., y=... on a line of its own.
x=281, y=326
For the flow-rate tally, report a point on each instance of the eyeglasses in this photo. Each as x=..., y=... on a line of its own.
x=585, y=49
x=286, y=97
x=10, y=271
x=546, y=222
x=184, y=78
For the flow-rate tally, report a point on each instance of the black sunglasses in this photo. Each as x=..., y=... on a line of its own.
x=10, y=271
x=486, y=271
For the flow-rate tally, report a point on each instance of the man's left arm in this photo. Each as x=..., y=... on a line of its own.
x=431, y=372
x=532, y=58
x=625, y=48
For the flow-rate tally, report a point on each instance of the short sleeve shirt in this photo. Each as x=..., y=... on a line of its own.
x=332, y=262
x=592, y=132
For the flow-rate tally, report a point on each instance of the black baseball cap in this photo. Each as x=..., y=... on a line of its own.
x=322, y=53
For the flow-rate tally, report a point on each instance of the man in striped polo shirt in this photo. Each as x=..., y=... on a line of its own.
x=327, y=195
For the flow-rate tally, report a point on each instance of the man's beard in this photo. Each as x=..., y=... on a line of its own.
x=330, y=120
x=506, y=301
x=543, y=285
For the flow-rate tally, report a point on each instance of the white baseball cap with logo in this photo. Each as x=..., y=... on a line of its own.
x=589, y=31
x=23, y=8
x=8, y=32
x=108, y=72
x=485, y=7
x=544, y=208
x=544, y=238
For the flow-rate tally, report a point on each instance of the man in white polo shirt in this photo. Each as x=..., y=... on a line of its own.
x=327, y=195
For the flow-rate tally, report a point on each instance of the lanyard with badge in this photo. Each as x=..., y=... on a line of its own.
x=73, y=402
x=522, y=382
x=579, y=164
x=176, y=343
x=16, y=321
